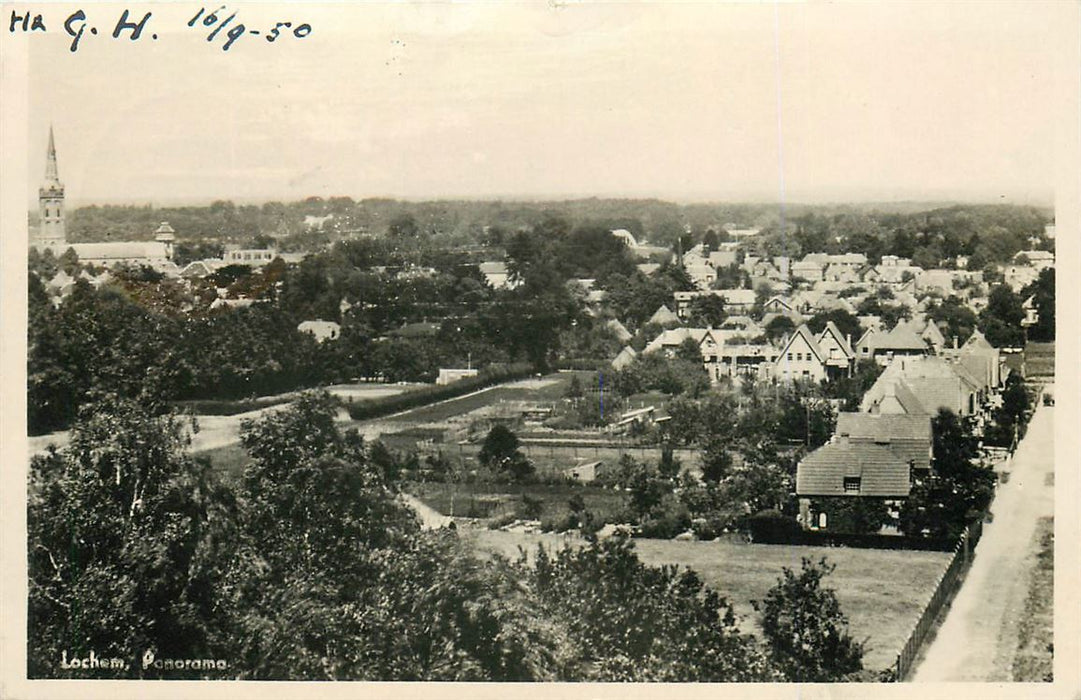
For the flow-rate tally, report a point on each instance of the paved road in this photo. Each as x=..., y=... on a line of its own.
x=978, y=639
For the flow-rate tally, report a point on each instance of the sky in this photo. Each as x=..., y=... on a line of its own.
x=688, y=102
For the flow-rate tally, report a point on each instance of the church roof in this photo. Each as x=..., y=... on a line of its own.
x=110, y=252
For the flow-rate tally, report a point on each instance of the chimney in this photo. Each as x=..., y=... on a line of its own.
x=954, y=342
x=848, y=339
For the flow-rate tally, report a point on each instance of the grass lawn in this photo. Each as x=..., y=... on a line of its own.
x=882, y=592
x=1040, y=360
x=1035, y=660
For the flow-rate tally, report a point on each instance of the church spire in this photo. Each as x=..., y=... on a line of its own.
x=51, y=172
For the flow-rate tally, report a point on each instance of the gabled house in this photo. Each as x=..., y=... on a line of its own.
x=801, y=358
x=663, y=316
x=625, y=357
x=914, y=385
x=618, y=330
x=839, y=357
x=882, y=347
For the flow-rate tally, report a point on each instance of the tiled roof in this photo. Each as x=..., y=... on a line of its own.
x=900, y=338
x=663, y=315
x=882, y=472
x=937, y=392
x=908, y=435
x=883, y=427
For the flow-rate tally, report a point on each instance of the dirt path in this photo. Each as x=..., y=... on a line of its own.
x=978, y=639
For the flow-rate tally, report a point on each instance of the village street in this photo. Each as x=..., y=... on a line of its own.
x=978, y=639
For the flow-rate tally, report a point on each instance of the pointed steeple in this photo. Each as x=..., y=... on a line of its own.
x=51, y=173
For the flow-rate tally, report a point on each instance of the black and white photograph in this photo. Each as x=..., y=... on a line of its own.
x=548, y=343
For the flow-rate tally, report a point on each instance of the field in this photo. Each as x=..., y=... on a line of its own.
x=490, y=500
x=1034, y=659
x=882, y=592
x=1040, y=360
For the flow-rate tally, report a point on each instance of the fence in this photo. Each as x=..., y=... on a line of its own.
x=944, y=588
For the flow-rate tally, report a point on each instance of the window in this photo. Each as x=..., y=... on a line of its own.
x=852, y=484
x=789, y=357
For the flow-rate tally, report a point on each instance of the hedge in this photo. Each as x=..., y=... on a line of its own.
x=387, y=405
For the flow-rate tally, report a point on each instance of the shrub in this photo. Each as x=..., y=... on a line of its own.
x=501, y=521
x=772, y=527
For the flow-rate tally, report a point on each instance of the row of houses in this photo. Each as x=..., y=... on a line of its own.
x=885, y=448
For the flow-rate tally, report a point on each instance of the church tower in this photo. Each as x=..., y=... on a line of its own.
x=51, y=202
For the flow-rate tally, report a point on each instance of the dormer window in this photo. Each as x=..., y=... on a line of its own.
x=852, y=484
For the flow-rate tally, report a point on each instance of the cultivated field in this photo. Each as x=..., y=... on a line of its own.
x=882, y=592
x=491, y=500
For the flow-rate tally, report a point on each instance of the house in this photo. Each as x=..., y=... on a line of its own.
x=497, y=275
x=837, y=272
x=735, y=360
x=199, y=269
x=702, y=274
x=322, y=330
x=811, y=271
x=625, y=357
x=1038, y=259
x=909, y=435
x=839, y=357
x=801, y=358
x=850, y=468
x=738, y=301
x=722, y=258
x=663, y=316
x=253, y=257
x=914, y=385
x=448, y=376
x=882, y=347
x=778, y=305
x=587, y=472
x=618, y=330
x=1019, y=276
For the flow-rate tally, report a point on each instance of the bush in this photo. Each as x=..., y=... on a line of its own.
x=772, y=527
x=501, y=521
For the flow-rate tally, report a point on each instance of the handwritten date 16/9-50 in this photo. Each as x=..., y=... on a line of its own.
x=219, y=23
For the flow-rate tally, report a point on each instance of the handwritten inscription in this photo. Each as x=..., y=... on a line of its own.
x=221, y=24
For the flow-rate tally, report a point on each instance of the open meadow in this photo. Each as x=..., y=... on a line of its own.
x=881, y=591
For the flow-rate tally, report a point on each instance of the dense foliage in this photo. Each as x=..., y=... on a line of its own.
x=957, y=490
x=310, y=567
x=805, y=628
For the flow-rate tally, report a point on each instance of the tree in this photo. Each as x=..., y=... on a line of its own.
x=708, y=311
x=628, y=621
x=779, y=327
x=403, y=226
x=499, y=446
x=128, y=538
x=805, y=629
x=1042, y=292
x=956, y=491
x=848, y=324
x=1001, y=321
